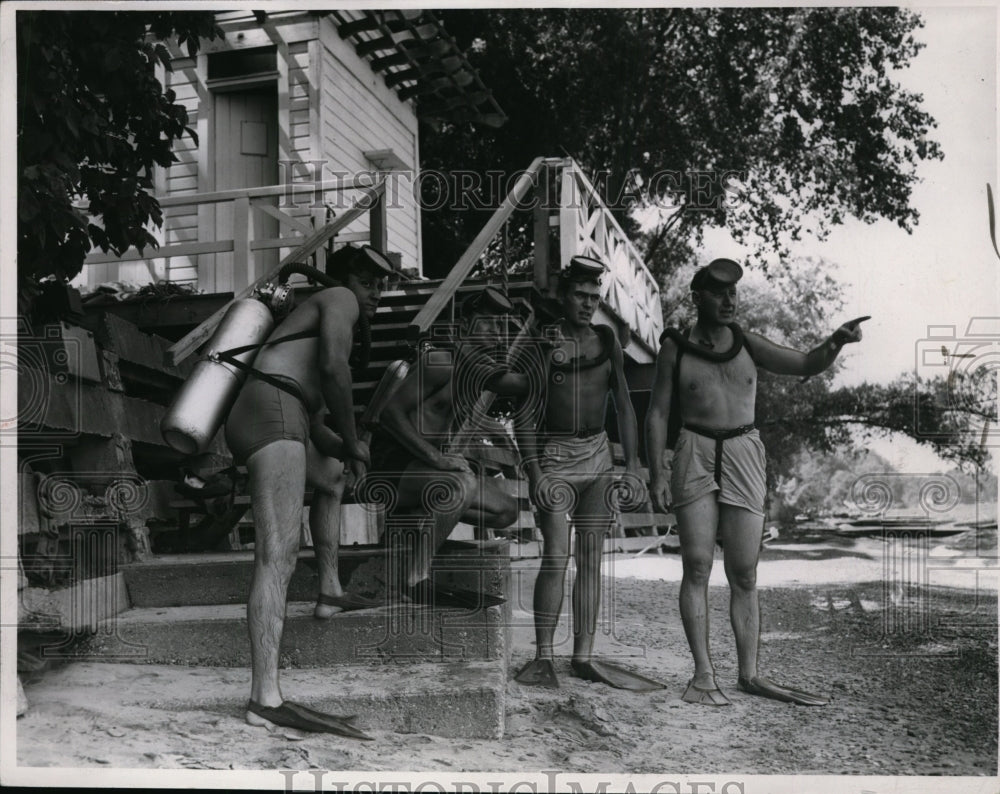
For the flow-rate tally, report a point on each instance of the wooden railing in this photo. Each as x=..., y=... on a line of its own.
x=307, y=247
x=251, y=206
x=565, y=199
x=587, y=227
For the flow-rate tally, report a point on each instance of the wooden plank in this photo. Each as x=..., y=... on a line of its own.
x=359, y=182
x=164, y=251
x=242, y=261
x=435, y=305
x=133, y=345
x=377, y=228
x=569, y=201
x=187, y=345
x=299, y=223
x=541, y=222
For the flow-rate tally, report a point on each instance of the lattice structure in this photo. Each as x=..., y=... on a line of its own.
x=587, y=227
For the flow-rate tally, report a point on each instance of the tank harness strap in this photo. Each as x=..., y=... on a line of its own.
x=685, y=345
x=229, y=357
x=607, y=336
x=719, y=436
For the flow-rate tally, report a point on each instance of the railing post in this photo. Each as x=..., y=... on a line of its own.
x=242, y=261
x=541, y=218
x=569, y=213
x=378, y=228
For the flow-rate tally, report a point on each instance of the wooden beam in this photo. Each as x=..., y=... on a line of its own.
x=541, y=223
x=186, y=346
x=378, y=227
x=242, y=259
x=180, y=249
x=299, y=223
x=216, y=196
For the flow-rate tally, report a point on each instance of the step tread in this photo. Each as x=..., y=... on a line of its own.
x=454, y=699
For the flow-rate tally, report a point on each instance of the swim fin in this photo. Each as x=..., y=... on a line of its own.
x=538, y=672
x=769, y=689
x=609, y=674
x=424, y=592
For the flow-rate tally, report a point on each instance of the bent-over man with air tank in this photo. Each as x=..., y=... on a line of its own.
x=276, y=428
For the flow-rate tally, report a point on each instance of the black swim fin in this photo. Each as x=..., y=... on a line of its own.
x=768, y=689
x=538, y=672
x=612, y=675
x=423, y=592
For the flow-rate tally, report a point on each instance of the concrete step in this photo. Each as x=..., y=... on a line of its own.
x=224, y=578
x=216, y=636
x=455, y=700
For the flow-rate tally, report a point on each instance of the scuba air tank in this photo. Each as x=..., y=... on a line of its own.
x=204, y=401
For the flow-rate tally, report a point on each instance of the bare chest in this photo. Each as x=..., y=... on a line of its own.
x=737, y=377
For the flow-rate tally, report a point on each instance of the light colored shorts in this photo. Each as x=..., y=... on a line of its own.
x=577, y=459
x=742, y=481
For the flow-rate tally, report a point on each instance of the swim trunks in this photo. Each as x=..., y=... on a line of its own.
x=263, y=414
x=730, y=462
x=580, y=461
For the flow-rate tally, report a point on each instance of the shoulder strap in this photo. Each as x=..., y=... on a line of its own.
x=607, y=337
x=674, y=415
x=684, y=343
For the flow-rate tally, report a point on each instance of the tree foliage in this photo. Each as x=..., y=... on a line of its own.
x=93, y=121
x=773, y=122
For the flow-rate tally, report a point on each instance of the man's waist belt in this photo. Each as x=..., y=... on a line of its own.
x=719, y=436
x=585, y=432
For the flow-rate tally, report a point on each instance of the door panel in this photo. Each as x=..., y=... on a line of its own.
x=246, y=155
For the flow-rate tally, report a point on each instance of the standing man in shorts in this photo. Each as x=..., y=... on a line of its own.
x=276, y=427
x=717, y=481
x=411, y=452
x=570, y=469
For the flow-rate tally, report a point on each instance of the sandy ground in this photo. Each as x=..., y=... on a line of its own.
x=912, y=674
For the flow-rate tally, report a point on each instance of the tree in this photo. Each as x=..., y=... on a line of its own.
x=93, y=121
x=773, y=122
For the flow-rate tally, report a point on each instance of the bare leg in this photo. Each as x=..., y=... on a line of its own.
x=741, y=532
x=277, y=476
x=446, y=496
x=591, y=521
x=326, y=476
x=697, y=523
x=549, y=584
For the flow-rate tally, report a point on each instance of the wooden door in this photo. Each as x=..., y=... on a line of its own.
x=246, y=155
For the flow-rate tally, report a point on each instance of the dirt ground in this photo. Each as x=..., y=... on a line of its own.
x=912, y=673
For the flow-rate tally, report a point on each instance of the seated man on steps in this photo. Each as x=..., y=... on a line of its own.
x=275, y=428
x=703, y=407
x=570, y=469
x=410, y=450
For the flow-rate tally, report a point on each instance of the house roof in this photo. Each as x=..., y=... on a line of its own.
x=419, y=60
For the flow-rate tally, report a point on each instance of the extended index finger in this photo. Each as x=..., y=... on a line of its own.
x=857, y=321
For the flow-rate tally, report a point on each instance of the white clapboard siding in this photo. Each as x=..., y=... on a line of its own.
x=360, y=114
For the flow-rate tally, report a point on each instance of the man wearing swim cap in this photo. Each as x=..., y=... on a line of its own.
x=706, y=382
x=569, y=465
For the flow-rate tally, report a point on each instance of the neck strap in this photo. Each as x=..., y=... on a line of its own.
x=682, y=340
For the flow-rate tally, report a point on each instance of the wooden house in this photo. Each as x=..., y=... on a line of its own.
x=326, y=100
